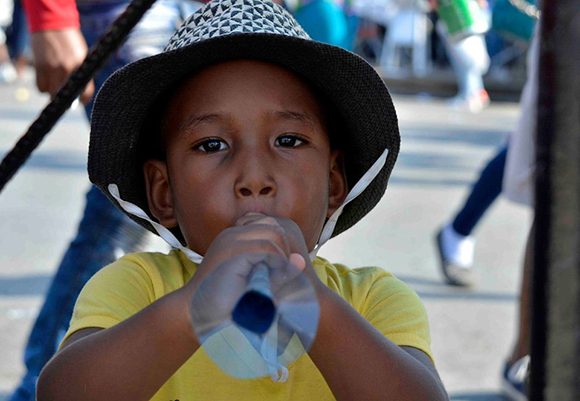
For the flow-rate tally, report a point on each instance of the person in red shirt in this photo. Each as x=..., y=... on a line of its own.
x=57, y=43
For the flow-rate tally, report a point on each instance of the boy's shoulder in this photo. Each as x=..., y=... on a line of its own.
x=389, y=304
x=340, y=271
x=162, y=272
x=174, y=258
x=360, y=282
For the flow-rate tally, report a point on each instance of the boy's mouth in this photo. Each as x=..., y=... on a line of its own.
x=255, y=208
x=250, y=214
x=254, y=213
x=250, y=217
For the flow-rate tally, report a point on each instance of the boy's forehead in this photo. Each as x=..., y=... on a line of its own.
x=290, y=95
x=249, y=72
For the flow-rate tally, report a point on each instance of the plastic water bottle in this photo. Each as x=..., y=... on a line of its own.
x=272, y=324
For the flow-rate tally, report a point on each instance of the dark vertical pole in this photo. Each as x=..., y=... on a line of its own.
x=555, y=341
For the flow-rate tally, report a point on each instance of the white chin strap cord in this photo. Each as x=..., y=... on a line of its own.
x=327, y=230
x=161, y=230
x=358, y=188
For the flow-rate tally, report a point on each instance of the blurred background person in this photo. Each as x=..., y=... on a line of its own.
x=17, y=39
x=7, y=71
x=510, y=172
x=454, y=241
x=462, y=26
x=518, y=187
x=328, y=21
x=61, y=32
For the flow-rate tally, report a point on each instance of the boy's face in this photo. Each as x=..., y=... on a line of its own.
x=244, y=136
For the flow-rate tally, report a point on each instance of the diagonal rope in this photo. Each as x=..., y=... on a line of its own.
x=50, y=115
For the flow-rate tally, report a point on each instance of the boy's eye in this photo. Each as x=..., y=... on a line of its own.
x=211, y=145
x=289, y=141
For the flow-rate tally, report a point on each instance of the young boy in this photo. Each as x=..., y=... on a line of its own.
x=243, y=142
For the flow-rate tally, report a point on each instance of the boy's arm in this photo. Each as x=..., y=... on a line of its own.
x=129, y=361
x=134, y=358
x=361, y=364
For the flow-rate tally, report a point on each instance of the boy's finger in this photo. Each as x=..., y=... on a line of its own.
x=271, y=260
x=247, y=239
x=260, y=233
x=297, y=260
x=263, y=246
x=260, y=227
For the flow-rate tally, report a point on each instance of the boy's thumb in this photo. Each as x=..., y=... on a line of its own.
x=297, y=260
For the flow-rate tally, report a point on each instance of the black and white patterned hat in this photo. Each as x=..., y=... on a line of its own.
x=244, y=29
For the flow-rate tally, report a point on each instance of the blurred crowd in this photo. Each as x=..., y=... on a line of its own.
x=409, y=38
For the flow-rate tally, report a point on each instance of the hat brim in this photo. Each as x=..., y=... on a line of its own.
x=353, y=87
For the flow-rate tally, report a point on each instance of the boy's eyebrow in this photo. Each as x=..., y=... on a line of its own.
x=195, y=119
x=295, y=115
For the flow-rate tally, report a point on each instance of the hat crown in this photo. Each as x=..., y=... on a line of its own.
x=231, y=17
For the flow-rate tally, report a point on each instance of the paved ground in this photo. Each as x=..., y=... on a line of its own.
x=441, y=154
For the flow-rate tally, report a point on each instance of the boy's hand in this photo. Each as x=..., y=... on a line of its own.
x=258, y=234
x=216, y=297
x=222, y=277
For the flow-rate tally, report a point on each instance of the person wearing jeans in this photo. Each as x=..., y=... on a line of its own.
x=512, y=173
x=455, y=244
x=104, y=233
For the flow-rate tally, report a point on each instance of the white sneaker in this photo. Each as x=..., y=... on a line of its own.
x=474, y=103
x=455, y=253
x=514, y=379
x=8, y=73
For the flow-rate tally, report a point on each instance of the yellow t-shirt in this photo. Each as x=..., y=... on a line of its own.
x=135, y=281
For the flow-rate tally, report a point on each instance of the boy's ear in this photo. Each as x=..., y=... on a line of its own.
x=338, y=187
x=159, y=194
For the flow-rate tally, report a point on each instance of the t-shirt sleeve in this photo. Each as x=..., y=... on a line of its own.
x=396, y=311
x=44, y=15
x=112, y=295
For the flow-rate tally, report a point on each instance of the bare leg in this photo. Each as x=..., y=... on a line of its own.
x=7, y=71
x=4, y=57
x=522, y=345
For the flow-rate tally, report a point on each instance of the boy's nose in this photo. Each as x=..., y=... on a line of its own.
x=255, y=191
x=254, y=180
